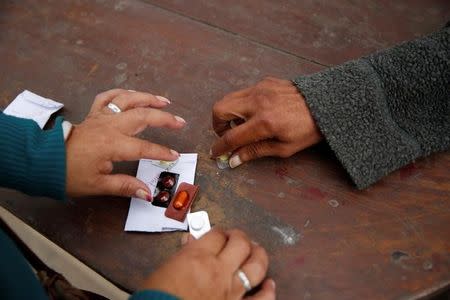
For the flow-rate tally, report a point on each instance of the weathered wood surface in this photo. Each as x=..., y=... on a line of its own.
x=326, y=239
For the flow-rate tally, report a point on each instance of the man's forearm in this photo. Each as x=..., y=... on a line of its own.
x=380, y=112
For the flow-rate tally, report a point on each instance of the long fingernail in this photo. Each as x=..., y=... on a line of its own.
x=235, y=161
x=255, y=243
x=140, y=193
x=184, y=238
x=163, y=99
x=133, y=91
x=272, y=283
x=210, y=153
x=180, y=119
x=173, y=152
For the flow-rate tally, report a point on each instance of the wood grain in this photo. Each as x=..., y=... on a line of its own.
x=325, y=238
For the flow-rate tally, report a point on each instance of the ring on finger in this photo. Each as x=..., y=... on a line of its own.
x=244, y=279
x=114, y=108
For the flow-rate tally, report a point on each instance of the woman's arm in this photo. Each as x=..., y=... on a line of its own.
x=32, y=160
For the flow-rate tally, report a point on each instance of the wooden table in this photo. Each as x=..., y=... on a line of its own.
x=326, y=239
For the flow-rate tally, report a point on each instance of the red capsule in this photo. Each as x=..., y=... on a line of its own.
x=181, y=200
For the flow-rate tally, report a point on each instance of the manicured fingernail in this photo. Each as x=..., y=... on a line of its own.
x=133, y=91
x=140, y=193
x=235, y=161
x=163, y=99
x=184, y=238
x=180, y=119
x=173, y=152
x=255, y=243
x=272, y=283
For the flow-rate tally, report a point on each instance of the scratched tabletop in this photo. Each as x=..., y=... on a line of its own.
x=326, y=239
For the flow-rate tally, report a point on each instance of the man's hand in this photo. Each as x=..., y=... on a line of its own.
x=206, y=269
x=105, y=137
x=272, y=120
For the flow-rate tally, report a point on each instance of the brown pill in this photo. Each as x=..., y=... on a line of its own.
x=168, y=182
x=163, y=196
x=181, y=199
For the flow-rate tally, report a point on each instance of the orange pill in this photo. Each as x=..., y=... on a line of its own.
x=181, y=200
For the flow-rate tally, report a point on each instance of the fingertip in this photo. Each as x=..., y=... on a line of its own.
x=144, y=195
x=180, y=120
x=270, y=283
x=268, y=290
x=175, y=154
x=235, y=161
x=184, y=238
x=163, y=99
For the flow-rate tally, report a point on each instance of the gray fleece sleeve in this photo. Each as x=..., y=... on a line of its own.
x=380, y=112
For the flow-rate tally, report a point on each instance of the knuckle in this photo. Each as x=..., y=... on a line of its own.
x=253, y=151
x=99, y=98
x=228, y=139
x=237, y=233
x=218, y=232
x=218, y=108
x=143, y=149
x=126, y=188
x=242, y=238
x=105, y=168
x=268, y=122
x=264, y=98
x=138, y=113
x=123, y=97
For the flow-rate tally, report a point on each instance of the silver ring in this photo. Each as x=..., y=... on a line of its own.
x=244, y=280
x=114, y=108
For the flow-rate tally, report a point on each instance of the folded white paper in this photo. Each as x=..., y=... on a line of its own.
x=144, y=216
x=28, y=105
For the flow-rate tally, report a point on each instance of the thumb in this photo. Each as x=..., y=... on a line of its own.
x=257, y=150
x=125, y=186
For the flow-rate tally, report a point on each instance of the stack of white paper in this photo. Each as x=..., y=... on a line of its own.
x=144, y=216
x=28, y=105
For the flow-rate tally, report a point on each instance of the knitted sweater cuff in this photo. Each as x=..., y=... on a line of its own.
x=32, y=160
x=349, y=106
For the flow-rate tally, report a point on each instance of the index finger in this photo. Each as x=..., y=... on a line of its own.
x=133, y=121
x=131, y=148
x=241, y=135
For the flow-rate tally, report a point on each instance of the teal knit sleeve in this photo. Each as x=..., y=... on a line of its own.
x=32, y=160
x=152, y=295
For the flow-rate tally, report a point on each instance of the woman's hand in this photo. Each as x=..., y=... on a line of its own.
x=272, y=120
x=207, y=269
x=105, y=137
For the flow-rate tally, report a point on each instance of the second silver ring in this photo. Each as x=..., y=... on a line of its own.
x=244, y=279
x=114, y=108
